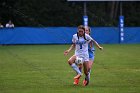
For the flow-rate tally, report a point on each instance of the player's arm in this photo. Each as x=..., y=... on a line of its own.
x=97, y=45
x=94, y=42
x=71, y=48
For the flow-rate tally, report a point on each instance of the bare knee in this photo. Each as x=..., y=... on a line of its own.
x=70, y=62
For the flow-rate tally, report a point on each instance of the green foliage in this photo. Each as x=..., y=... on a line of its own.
x=41, y=13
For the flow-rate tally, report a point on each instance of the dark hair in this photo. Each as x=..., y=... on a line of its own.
x=81, y=27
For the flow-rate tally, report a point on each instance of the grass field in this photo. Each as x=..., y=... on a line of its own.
x=44, y=69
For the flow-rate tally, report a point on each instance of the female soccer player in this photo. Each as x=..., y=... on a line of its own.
x=80, y=43
x=91, y=50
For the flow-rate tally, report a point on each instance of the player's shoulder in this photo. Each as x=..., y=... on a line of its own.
x=75, y=35
x=87, y=35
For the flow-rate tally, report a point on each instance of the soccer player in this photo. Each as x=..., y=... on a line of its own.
x=80, y=43
x=91, y=50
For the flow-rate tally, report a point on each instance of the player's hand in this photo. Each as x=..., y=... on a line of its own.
x=66, y=52
x=101, y=48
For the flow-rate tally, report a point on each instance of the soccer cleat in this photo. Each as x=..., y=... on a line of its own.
x=85, y=82
x=76, y=81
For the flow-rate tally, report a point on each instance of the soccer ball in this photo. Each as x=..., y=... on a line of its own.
x=79, y=61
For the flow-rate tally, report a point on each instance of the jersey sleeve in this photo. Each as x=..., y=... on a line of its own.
x=73, y=39
x=89, y=38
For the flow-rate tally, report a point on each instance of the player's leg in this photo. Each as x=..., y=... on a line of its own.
x=91, y=59
x=86, y=68
x=71, y=62
x=90, y=66
x=80, y=67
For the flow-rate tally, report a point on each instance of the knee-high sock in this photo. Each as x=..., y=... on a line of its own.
x=80, y=68
x=75, y=68
x=89, y=74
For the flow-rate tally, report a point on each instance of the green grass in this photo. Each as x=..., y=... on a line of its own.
x=44, y=69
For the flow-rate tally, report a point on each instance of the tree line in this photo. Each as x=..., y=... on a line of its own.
x=44, y=13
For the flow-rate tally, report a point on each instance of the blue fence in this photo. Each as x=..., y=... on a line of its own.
x=63, y=35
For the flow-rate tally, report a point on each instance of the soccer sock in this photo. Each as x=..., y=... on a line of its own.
x=80, y=68
x=89, y=74
x=75, y=67
x=87, y=78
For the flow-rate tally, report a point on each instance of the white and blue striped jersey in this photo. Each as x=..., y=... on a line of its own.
x=81, y=47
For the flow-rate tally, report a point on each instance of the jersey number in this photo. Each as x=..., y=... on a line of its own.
x=80, y=46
